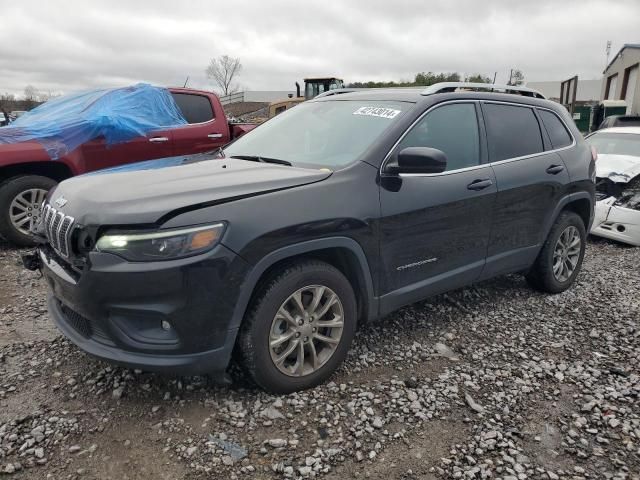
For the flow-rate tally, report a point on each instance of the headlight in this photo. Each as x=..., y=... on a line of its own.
x=161, y=244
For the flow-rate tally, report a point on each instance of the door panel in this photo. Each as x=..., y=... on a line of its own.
x=98, y=155
x=527, y=195
x=530, y=182
x=434, y=228
x=205, y=130
x=191, y=139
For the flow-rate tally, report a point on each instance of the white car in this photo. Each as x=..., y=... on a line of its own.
x=617, y=213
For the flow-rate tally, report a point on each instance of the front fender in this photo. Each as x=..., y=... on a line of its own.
x=297, y=249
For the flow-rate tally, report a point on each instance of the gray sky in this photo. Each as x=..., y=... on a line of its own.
x=67, y=45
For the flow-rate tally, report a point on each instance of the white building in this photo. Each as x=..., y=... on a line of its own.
x=621, y=78
x=588, y=90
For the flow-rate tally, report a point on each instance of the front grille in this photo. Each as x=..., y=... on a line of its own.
x=57, y=229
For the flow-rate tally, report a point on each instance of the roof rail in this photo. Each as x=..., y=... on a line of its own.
x=338, y=91
x=444, y=87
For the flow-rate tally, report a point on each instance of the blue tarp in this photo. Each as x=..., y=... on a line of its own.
x=119, y=114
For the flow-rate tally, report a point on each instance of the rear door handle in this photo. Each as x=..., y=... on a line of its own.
x=480, y=184
x=159, y=139
x=214, y=135
x=555, y=169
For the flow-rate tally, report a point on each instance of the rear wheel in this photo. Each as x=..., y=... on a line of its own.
x=299, y=327
x=560, y=259
x=20, y=202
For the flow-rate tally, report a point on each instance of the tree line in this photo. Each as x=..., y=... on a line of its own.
x=424, y=79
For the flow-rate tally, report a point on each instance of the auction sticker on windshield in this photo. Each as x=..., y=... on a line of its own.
x=377, y=112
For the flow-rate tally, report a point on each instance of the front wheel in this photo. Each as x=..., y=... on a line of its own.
x=560, y=259
x=299, y=327
x=20, y=202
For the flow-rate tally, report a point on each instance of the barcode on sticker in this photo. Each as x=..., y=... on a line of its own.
x=377, y=112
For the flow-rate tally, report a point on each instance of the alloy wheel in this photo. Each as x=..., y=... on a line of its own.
x=306, y=330
x=566, y=253
x=25, y=209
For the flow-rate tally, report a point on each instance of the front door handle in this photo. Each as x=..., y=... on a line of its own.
x=480, y=184
x=555, y=169
x=159, y=139
x=214, y=135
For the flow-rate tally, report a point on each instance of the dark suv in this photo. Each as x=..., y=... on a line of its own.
x=338, y=211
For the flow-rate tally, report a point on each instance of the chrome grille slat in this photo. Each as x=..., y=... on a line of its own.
x=58, y=229
x=63, y=235
x=57, y=218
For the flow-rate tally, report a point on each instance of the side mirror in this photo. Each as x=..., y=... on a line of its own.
x=419, y=160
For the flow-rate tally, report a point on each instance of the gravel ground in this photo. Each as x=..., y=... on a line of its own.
x=492, y=381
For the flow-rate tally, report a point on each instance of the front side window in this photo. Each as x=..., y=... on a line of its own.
x=512, y=131
x=329, y=134
x=453, y=129
x=558, y=133
x=194, y=108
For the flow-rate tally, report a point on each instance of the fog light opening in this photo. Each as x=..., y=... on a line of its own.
x=620, y=228
x=166, y=326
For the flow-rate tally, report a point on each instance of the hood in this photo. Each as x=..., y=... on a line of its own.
x=617, y=168
x=146, y=196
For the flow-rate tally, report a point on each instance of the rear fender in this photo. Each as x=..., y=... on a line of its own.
x=562, y=204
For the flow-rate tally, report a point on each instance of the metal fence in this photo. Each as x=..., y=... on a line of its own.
x=232, y=98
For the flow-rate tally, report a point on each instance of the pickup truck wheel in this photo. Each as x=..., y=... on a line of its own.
x=20, y=201
x=299, y=327
x=560, y=259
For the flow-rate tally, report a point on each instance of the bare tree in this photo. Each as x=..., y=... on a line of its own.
x=30, y=93
x=222, y=71
x=516, y=77
x=46, y=96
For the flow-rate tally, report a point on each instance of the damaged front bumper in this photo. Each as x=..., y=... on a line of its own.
x=616, y=222
x=617, y=212
x=171, y=317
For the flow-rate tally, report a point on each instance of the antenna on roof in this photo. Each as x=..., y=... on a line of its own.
x=185, y=82
x=608, y=52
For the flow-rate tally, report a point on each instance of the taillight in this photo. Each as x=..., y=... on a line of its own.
x=594, y=153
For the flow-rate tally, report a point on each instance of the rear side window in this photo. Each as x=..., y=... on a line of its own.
x=512, y=131
x=195, y=108
x=558, y=133
x=453, y=129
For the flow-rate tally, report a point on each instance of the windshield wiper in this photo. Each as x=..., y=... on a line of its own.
x=257, y=158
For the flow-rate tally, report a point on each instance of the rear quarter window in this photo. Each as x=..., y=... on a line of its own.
x=558, y=133
x=513, y=131
x=194, y=108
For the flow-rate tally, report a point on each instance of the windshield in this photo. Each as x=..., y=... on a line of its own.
x=329, y=134
x=615, y=143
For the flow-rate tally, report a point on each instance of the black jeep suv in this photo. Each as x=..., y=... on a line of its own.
x=336, y=212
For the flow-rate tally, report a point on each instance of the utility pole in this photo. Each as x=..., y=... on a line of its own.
x=510, y=76
x=185, y=82
x=495, y=74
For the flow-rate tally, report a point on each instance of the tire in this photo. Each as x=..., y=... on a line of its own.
x=12, y=189
x=542, y=276
x=261, y=324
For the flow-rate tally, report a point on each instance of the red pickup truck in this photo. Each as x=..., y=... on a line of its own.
x=27, y=171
